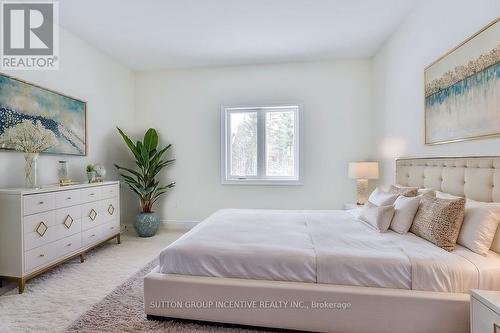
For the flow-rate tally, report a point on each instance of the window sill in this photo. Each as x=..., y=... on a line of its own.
x=272, y=182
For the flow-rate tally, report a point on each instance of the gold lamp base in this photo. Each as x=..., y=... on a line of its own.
x=361, y=189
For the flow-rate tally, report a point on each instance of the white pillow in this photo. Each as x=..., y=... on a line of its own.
x=480, y=225
x=405, y=209
x=380, y=198
x=443, y=195
x=377, y=217
x=423, y=191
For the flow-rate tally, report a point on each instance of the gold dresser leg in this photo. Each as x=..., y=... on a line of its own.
x=118, y=239
x=20, y=284
x=82, y=257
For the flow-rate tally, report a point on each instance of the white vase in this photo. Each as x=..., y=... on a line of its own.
x=30, y=177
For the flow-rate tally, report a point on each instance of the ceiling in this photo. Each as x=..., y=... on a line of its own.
x=159, y=34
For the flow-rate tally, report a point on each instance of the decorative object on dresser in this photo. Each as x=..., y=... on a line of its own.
x=100, y=172
x=143, y=182
x=462, y=90
x=64, y=116
x=31, y=138
x=485, y=311
x=63, y=174
x=44, y=227
x=90, y=173
x=362, y=172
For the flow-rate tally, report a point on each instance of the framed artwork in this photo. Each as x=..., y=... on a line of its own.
x=462, y=90
x=65, y=116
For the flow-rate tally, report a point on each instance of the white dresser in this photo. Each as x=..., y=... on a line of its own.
x=42, y=228
x=485, y=311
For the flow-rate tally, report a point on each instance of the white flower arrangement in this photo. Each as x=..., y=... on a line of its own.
x=28, y=137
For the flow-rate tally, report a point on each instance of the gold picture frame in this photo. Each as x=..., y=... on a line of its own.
x=461, y=73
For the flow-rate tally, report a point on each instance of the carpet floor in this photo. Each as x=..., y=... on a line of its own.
x=55, y=299
x=123, y=311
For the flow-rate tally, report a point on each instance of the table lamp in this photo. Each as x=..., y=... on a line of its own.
x=362, y=171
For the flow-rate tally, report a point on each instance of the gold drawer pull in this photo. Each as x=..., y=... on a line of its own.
x=93, y=235
x=40, y=202
x=68, y=198
x=111, y=228
x=68, y=221
x=111, y=209
x=93, y=214
x=92, y=194
x=41, y=229
x=69, y=244
x=42, y=255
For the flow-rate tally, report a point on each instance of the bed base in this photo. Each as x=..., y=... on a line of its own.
x=350, y=308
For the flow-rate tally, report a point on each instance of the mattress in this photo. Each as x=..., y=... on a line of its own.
x=330, y=247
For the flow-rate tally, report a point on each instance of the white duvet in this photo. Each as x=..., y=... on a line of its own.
x=323, y=247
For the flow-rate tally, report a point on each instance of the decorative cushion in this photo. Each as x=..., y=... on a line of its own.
x=377, y=217
x=402, y=190
x=439, y=220
x=480, y=224
x=405, y=209
x=380, y=198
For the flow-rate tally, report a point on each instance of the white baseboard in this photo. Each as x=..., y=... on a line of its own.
x=179, y=225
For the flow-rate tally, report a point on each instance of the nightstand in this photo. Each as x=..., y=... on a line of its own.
x=348, y=206
x=485, y=311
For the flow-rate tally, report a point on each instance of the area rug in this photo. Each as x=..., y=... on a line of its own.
x=123, y=311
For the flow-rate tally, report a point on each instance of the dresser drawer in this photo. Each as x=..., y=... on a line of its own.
x=110, y=191
x=68, y=245
x=67, y=198
x=32, y=222
x=90, y=194
x=110, y=209
x=111, y=228
x=37, y=203
x=39, y=256
x=92, y=215
x=62, y=214
x=91, y=236
x=62, y=230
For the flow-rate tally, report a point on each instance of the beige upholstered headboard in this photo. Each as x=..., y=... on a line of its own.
x=476, y=178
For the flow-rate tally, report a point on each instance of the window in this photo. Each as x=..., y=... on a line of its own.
x=261, y=145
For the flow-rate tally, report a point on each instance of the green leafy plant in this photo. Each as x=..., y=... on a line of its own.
x=90, y=168
x=149, y=162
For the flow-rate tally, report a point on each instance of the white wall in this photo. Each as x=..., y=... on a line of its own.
x=433, y=28
x=184, y=105
x=108, y=89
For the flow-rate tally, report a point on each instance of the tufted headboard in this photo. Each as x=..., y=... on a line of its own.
x=476, y=178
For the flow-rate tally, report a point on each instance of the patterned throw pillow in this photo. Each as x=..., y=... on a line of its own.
x=405, y=191
x=439, y=221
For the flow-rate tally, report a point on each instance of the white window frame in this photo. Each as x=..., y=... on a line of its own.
x=261, y=178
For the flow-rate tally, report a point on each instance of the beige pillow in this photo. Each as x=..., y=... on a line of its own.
x=377, y=217
x=402, y=190
x=405, y=210
x=381, y=198
x=480, y=225
x=439, y=220
x=426, y=191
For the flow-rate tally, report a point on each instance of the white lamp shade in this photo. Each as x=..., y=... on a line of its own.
x=363, y=170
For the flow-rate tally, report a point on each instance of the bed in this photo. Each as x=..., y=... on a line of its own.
x=307, y=270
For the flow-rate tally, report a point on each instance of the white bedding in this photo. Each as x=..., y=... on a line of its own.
x=324, y=247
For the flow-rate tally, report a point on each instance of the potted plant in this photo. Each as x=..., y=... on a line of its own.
x=142, y=180
x=90, y=173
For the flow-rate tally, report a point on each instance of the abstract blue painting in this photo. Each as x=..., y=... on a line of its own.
x=462, y=90
x=63, y=115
